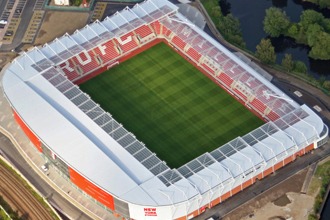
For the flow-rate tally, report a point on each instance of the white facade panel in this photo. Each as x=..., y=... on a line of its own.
x=149, y=212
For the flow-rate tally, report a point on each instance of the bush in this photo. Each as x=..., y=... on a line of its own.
x=76, y=2
x=326, y=84
x=287, y=62
x=312, y=217
x=13, y=214
x=265, y=52
x=300, y=67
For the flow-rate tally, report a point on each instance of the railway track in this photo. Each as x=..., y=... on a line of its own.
x=20, y=198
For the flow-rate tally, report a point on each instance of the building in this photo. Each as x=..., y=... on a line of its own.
x=89, y=147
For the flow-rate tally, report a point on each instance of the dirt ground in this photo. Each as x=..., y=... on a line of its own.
x=6, y=58
x=297, y=207
x=281, y=202
x=57, y=23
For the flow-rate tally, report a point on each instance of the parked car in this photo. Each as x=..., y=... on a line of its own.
x=3, y=21
x=44, y=167
x=9, y=33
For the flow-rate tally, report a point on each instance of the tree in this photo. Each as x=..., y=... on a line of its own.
x=324, y=3
x=229, y=26
x=293, y=30
x=313, y=32
x=276, y=22
x=265, y=52
x=326, y=25
x=321, y=48
x=287, y=62
x=309, y=17
x=300, y=67
x=216, y=11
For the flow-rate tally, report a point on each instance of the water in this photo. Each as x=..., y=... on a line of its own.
x=251, y=15
x=326, y=211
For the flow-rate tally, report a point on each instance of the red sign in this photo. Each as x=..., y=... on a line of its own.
x=150, y=212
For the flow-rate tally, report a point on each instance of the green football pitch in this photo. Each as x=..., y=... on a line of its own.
x=170, y=105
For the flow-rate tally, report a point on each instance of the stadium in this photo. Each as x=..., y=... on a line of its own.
x=107, y=161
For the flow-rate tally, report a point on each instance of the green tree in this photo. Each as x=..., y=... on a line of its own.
x=300, y=67
x=276, y=22
x=326, y=25
x=309, y=17
x=265, y=52
x=287, y=62
x=324, y=3
x=321, y=47
x=229, y=26
x=293, y=30
x=313, y=33
x=216, y=11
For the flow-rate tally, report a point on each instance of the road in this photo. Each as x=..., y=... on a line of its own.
x=20, y=198
x=54, y=198
x=2, y=6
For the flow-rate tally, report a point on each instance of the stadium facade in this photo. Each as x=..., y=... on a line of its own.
x=96, y=153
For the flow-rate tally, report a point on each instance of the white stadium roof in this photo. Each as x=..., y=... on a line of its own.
x=91, y=142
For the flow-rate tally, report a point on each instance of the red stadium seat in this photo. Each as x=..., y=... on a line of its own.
x=143, y=31
x=194, y=54
x=178, y=42
x=127, y=42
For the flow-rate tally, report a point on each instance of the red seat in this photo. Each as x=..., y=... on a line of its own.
x=127, y=42
x=143, y=31
x=225, y=79
x=194, y=54
x=178, y=42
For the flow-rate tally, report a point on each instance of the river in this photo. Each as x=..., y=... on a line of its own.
x=326, y=211
x=251, y=15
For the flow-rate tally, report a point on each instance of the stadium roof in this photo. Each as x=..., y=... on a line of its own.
x=90, y=141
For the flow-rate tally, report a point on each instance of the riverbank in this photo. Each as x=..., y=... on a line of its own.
x=251, y=18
